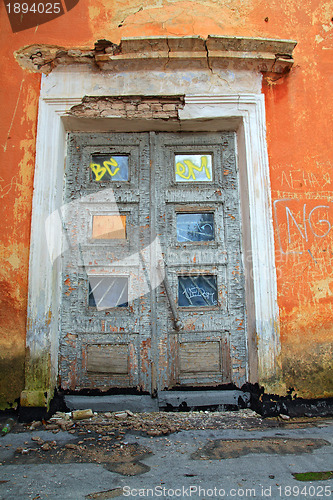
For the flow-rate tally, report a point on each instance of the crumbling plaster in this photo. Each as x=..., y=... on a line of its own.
x=167, y=53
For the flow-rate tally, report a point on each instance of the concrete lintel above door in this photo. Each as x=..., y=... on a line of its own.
x=142, y=53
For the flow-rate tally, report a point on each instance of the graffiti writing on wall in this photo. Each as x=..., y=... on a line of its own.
x=109, y=168
x=193, y=168
x=298, y=179
x=300, y=223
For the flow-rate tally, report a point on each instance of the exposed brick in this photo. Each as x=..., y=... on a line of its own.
x=145, y=115
x=89, y=112
x=113, y=113
x=156, y=107
x=154, y=100
x=161, y=114
x=118, y=105
x=130, y=107
x=132, y=114
x=169, y=107
x=143, y=107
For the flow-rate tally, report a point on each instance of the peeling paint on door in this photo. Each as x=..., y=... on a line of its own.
x=139, y=344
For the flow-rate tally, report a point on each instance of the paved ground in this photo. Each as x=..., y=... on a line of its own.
x=198, y=455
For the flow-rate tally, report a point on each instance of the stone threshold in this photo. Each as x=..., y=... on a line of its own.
x=165, y=400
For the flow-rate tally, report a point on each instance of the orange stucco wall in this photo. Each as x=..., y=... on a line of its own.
x=299, y=134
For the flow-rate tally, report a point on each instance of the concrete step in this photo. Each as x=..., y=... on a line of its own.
x=165, y=400
x=117, y=402
x=202, y=398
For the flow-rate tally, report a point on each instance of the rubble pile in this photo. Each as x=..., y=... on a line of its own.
x=100, y=437
x=151, y=424
x=109, y=438
x=156, y=423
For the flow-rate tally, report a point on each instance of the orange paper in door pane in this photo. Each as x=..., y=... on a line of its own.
x=109, y=227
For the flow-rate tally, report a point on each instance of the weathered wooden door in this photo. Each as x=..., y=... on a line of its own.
x=153, y=286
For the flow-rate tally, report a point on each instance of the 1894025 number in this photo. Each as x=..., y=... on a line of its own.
x=310, y=491
x=35, y=8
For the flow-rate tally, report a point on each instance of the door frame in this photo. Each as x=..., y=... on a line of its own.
x=243, y=113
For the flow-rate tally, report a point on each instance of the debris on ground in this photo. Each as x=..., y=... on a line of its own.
x=158, y=423
x=7, y=426
x=164, y=423
x=99, y=437
x=121, y=457
x=82, y=414
x=284, y=417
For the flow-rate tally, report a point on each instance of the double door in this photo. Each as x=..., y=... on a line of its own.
x=153, y=285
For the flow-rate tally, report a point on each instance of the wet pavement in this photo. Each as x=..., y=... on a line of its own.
x=168, y=455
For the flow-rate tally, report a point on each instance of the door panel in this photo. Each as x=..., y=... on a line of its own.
x=105, y=319
x=131, y=200
x=197, y=175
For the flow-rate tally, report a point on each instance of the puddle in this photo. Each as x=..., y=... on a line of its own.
x=123, y=458
x=128, y=468
x=234, y=448
x=104, y=495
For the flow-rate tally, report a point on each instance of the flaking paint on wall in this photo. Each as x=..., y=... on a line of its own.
x=322, y=289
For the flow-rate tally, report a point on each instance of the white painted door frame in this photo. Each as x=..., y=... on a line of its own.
x=228, y=107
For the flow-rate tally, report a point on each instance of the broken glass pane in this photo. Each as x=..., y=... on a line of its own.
x=193, y=168
x=107, y=291
x=197, y=291
x=105, y=167
x=195, y=227
x=109, y=227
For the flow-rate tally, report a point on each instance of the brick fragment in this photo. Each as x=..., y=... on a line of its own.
x=169, y=107
x=130, y=107
x=156, y=107
x=143, y=107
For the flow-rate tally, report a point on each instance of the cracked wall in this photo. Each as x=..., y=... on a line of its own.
x=299, y=114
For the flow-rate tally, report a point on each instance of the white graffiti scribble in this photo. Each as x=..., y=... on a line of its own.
x=305, y=227
x=194, y=291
